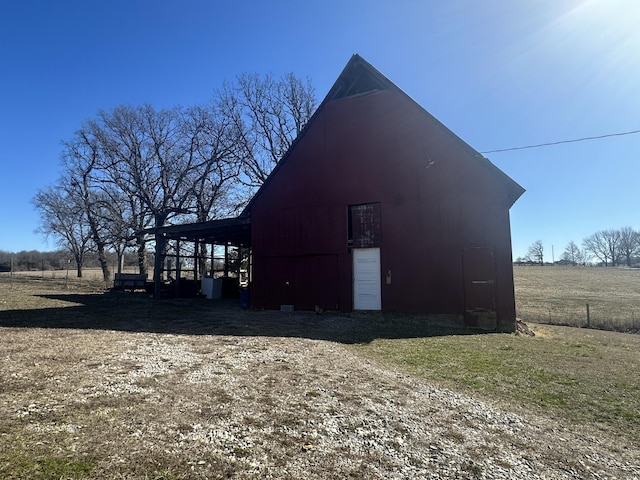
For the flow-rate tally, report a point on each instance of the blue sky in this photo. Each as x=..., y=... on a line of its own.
x=498, y=73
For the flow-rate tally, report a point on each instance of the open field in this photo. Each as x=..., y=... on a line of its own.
x=559, y=295
x=88, y=274
x=555, y=295
x=97, y=385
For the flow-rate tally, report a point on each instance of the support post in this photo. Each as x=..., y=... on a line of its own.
x=213, y=255
x=196, y=259
x=178, y=269
x=226, y=260
x=588, y=317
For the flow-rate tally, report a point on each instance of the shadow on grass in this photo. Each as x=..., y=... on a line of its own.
x=139, y=313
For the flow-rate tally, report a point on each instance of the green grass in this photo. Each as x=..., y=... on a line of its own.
x=27, y=465
x=576, y=376
x=585, y=376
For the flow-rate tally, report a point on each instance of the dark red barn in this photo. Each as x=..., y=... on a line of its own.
x=378, y=206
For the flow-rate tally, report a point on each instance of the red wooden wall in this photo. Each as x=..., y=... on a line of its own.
x=436, y=201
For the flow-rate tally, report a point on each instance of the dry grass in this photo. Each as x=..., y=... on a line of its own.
x=559, y=295
x=587, y=377
x=120, y=386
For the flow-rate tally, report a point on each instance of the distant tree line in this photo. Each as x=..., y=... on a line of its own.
x=34, y=260
x=132, y=168
x=612, y=247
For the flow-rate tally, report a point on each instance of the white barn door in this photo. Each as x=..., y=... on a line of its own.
x=366, y=279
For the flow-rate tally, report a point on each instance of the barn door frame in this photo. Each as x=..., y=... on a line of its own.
x=367, y=285
x=480, y=289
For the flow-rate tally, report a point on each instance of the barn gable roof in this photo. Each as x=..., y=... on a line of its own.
x=359, y=77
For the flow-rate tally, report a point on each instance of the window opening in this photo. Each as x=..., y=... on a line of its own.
x=364, y=230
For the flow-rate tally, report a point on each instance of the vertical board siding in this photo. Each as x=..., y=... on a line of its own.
x=409, y=190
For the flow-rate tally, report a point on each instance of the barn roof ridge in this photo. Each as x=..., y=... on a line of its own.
x=359, y=77
x=515, y=190
x=340, y=89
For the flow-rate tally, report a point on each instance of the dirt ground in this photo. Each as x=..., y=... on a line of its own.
x=234, y=394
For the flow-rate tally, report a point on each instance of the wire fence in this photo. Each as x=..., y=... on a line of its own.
x=606, y=312
x=92, y=273
x=51, y=278
x=587, y=315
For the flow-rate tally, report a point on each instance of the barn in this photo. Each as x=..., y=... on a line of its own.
x=377, y=206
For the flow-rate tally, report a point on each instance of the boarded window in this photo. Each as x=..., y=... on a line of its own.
x=365, y=229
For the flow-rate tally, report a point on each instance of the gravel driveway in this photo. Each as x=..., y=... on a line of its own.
x=224, y=405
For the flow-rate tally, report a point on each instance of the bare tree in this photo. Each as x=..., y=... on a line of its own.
x=598, y=245
x=126, y=223
x=267, y=115
x=64, y=219
x=536, y=252
x=121, y=136
x=214, y=186
x=611, y=240
x=572, y=254
x=170, y=165
x=144, y=150
x=629, y=243
x=211, y=144
x=80, y=161
x=133, y=168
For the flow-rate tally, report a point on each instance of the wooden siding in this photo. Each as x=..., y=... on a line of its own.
x=435, y=200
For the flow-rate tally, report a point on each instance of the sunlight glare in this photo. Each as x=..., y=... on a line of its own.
x=605, y=32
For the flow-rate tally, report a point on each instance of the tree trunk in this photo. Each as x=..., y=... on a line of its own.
x=79, y=260
x=120, y=253
x=102, y=258
x=201, y=254
x=157, y=265
x=158, y=262
x=142, y=255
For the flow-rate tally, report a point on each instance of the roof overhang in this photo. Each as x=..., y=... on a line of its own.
x=227, y=231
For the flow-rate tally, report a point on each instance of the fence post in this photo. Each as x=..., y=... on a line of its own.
x=588, y=317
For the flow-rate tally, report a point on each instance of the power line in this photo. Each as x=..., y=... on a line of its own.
x=562, y=141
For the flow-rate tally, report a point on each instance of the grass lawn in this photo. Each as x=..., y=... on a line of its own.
x=587, y=377
x=579, y=377
x=590, y=377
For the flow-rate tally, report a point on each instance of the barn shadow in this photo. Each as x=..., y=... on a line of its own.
x=133, y=312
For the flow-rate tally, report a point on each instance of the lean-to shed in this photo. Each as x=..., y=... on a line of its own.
x=379, y=206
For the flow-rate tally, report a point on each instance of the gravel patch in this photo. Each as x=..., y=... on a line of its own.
x=243, y=401
x=300, y=408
